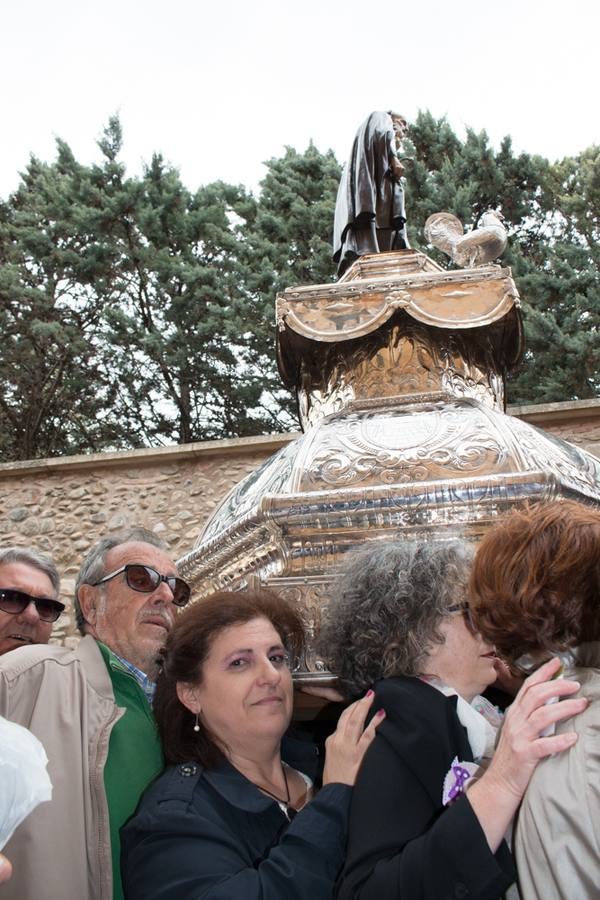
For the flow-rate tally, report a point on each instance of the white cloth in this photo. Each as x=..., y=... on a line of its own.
x=480, y=718
x=24, y=781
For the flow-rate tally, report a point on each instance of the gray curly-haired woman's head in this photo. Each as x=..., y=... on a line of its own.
x=386, y=608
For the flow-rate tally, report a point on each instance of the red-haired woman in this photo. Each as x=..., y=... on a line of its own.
x=535, y=593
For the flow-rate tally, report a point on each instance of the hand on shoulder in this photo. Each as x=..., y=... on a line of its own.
x=346, y=747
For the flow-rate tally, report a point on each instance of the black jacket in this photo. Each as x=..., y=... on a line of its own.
x=403, y=843
x=202, y=833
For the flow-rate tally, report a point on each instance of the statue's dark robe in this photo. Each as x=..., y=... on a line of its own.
x=369, y=210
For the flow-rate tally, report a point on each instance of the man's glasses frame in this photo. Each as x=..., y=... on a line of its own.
x=144, y=579
x=15, y=602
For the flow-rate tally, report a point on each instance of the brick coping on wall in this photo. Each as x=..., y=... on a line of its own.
x=543, y=415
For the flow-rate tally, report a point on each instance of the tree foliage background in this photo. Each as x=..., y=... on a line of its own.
x=135, y=312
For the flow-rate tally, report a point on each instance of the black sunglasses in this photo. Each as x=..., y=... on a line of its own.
x=145, y=579
x=14, y=602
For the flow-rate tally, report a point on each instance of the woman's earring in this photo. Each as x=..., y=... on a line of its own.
x=196, y=726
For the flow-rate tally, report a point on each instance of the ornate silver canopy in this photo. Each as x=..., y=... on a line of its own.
x=399, y=370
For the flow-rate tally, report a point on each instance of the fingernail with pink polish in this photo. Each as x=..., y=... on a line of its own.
x=369, y=693
x=380, y=713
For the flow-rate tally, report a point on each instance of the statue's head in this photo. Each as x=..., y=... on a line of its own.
x=399, y=123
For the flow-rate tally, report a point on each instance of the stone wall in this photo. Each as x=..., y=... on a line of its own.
x=64, y=505
x=577, y=421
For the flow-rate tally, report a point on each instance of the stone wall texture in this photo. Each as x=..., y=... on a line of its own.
x=62, y=506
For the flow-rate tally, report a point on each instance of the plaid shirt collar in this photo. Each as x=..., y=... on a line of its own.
x=142, y=679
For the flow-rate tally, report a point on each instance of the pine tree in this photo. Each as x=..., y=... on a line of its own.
x=136, y=312
x=287, y=241
x=562, y=286
x=552, y=214
x=53, y=251
x=176, y=328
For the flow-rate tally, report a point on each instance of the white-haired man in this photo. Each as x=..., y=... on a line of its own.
x=90, y=707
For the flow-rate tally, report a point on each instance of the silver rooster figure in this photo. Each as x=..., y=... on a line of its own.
x=476, y=248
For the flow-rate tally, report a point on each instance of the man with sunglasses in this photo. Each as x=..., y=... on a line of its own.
x=29, y=586
x=91, y=709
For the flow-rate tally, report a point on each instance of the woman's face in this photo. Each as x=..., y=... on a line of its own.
x=464, y=661
x=246, y=695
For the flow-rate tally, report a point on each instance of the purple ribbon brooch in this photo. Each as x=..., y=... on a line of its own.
x=456, y=781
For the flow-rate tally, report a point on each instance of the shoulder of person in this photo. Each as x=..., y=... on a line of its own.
x=416, y=713
x=301, y=754
x=22, y=660
x=177, y=784
x=54, y=665
x=409, y=696
x=589, y=678
x=586, y=724
x=179, y=801
x=415, y=744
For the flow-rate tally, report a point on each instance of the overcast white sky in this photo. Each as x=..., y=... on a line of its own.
x=219, y=86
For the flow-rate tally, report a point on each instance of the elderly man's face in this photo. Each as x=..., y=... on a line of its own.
x=134, y=625
x=26, y=627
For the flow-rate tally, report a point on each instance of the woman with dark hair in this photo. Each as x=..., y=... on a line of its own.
x=221, y=822
x=535, y=589
x=429, y=809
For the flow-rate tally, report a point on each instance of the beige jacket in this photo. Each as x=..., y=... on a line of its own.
x=65, y=697
x=557, y=839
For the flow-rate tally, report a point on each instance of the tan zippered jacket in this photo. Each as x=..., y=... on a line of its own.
x=65, y=697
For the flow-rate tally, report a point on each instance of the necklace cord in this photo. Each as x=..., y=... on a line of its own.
x=274, y=796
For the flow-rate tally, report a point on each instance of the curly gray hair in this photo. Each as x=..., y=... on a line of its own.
x=386, y=609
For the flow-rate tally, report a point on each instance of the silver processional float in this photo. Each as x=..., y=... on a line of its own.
x=399, y=369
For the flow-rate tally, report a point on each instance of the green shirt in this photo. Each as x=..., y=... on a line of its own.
x=134, y=756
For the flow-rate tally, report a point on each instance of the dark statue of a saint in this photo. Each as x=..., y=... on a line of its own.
x=369, y=210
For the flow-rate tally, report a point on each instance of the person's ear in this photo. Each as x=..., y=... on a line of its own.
x=88, y=601
x=188, y=696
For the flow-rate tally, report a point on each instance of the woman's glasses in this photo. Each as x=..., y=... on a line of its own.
x=14, y=602
x=465, y=610
x=145, y=579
